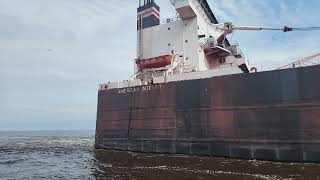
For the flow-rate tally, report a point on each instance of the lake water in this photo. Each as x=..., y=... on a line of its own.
x=71, y=155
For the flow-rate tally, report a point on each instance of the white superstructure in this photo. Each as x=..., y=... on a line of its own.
x=191, y=47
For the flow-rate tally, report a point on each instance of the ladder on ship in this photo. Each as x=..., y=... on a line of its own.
x=140, y=37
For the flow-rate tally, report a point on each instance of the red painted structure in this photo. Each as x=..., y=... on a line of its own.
x=156, y=62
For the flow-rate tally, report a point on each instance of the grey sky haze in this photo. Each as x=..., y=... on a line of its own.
x=53, y=54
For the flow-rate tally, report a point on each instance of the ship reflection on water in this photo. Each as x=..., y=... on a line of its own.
x=127, y=165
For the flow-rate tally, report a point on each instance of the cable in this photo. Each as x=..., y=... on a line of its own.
x=289, y=29
x=306, y=29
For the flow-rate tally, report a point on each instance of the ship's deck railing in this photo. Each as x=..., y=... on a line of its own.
x=227, y=70
x=274, y=65
x=121, y=84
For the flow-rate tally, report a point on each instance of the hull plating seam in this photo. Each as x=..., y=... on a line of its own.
x=270, y=116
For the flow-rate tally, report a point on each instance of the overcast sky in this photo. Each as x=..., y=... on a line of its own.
x=54, y=53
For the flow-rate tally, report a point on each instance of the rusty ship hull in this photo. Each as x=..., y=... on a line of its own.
x=271, y=115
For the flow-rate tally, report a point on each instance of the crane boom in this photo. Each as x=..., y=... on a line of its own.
x=229, y=28
x=257, y=28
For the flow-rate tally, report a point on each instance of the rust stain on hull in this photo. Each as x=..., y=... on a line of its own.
x=270, y=116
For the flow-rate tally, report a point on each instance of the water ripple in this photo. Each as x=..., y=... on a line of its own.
x=74, y=157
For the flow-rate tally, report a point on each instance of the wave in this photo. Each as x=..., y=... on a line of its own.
x=9, y=162
x=209, y=172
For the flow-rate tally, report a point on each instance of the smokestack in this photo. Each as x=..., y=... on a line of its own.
x=149, y=12
x=148, y=16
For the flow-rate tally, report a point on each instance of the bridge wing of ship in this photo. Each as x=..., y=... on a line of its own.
x=207, y=9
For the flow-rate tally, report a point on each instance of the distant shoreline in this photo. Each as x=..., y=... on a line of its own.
x=49, y=133
x=47, y=130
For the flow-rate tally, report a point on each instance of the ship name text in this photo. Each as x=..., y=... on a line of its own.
x=140, y=89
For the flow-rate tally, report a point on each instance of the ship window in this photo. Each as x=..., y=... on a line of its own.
x=169, y=28
x=186, y=41
x=169, y=44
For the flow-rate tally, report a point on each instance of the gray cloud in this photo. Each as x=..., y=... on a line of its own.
x=53, y=54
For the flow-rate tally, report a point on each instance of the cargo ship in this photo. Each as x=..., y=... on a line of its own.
x=193, y=93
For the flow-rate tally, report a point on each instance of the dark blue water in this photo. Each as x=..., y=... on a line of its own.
x=71, y=155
